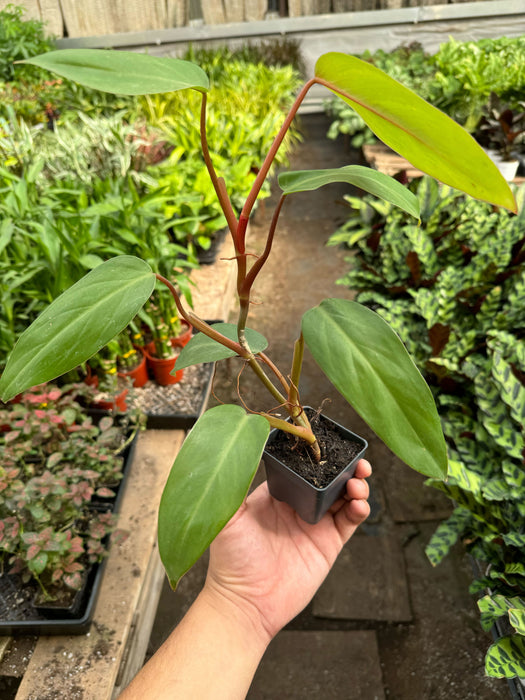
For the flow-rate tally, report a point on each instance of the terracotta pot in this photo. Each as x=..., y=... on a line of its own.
x=117, y=402
x=308, y=501
x=184, y=337
x=139, y=374
x=162, y=367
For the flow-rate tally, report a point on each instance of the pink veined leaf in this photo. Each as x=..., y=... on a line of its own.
x=73, y=580
x=73, y=567
x=105, y=423
x=104, y=492
x=33, y=550
x=54, y=394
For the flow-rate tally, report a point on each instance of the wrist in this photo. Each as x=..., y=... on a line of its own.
x=242, y=615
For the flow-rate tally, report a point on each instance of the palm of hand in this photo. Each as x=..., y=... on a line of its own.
x=268, y=558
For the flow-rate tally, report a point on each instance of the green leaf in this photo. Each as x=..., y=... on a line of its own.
x=506, y=658
x=123, y=72
x=447, y=534
x=426, y=137
x=492, y=607
x=201, y=348
x=369, y=365
x=78, y=323
x=369, y=180
x=517, y=618
x=208, y=483
x=38, y=563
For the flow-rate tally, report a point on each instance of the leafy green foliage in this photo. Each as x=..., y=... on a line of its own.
x=369, y=180
x=412, y=127
x=201, y=348
x=458, y=79
x=365, y=360
x=54, y=460
x=20, y=39
x=123, y=72
x=116, y=290
x=207, y=484
x=452, y=290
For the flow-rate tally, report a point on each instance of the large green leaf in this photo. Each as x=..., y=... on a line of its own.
x=426, y=137
x=369, y=365
x=123, y=72
x=369, y=180
x=201, y=348
x=208, y=482
x=78, y=323
x=506, y=658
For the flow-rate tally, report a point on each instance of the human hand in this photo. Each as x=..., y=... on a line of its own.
x=269, y=563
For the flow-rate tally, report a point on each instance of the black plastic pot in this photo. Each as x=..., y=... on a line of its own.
x=309, y=501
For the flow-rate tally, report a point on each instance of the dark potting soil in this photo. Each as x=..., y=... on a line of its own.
x=337, y=452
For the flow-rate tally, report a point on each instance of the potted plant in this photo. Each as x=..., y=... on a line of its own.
x=103, y=375
x=168, y=337
x=131, y=360
x=500, y=131
x=55, y=461
x=354, y=347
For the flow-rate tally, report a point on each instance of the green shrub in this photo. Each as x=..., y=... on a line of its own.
x=20, y=39
x=459, y=79
x=468, y=72
x=454, y=288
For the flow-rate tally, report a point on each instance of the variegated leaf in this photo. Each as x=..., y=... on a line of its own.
x=506, y=658
x=447, y=534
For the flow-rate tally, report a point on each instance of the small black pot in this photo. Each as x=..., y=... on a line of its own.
x=309, y=501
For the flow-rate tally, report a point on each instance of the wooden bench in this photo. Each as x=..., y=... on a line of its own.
x=99, y=664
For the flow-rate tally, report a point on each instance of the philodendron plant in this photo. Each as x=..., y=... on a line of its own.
x=359, y=353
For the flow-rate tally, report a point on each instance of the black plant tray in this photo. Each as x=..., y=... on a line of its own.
x=26, y=618
x=177, y=406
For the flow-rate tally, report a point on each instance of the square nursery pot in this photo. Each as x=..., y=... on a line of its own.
x=309, y=501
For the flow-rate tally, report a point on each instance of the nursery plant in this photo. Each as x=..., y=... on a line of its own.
x=453, y=288
x=55, y=460
x=363, y=358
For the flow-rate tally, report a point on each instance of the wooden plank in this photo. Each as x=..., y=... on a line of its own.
x=294, y=8
x=386, y=161
x=102, y=17
x=255, y=10
x=322, y=7
x=62, y=666
x=52, y=17
x=488, y=18
x=138, y=639
x=234, y=11
x=176, y=13
x=213, y=12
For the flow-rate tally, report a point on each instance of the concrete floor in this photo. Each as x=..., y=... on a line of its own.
x=385, y=624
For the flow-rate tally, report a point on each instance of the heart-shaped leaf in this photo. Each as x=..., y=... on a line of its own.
x=78, y=323
x=369, y=365
x=369, y=180
x=426, y=137
x=201, y=348
x=123, y=72
x=207, y=484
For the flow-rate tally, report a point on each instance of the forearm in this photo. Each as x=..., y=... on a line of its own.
x=212, y=653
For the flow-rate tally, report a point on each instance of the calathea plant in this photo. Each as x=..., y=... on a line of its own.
x=354, y=347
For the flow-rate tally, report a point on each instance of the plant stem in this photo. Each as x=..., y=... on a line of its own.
x=297, y=362
x=218, y=182
x=263, y=172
